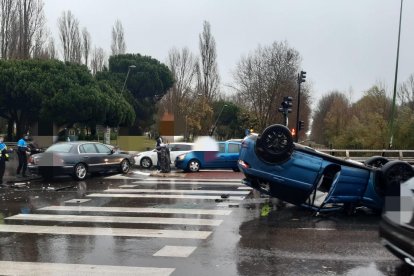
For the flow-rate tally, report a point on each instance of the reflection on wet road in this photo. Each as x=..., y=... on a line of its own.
x=120, y=225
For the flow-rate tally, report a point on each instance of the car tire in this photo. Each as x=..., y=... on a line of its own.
x=236, y=169
x=125, y=166
x=146, y=163
x=376, y=161
x=393, y=174
x=193, y=165
x=275, y=144
x=80, y=171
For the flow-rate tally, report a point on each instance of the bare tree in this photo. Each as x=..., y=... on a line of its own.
x=51, y=48
x=118, y=45
x=182, y=66
x=264, y=77
x=70, y=37
x=86, y=45
x=208, y=74
x=406, y=92
x=25, y=33
x=98, y=60
x=7, y=15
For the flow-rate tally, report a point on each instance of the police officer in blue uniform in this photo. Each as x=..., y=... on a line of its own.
x=4, y=156
x=22, y=149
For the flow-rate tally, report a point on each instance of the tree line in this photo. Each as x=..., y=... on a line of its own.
x=365, y=124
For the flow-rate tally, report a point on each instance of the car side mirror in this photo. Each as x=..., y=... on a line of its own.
x=112, y=151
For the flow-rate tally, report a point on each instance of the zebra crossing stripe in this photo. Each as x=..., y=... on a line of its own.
x=188, y=183
x=165, y=196
x=192, y=180
x=177, y=191
x=60, y=269
x=97, y=231
x=137, y=210
x=175, y=251
x=111, y=219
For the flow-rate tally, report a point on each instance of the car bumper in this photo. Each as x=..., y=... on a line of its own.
x=179, y=164
x=398, y=240
x=51, y=170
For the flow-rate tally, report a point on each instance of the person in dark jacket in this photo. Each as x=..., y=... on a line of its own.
x=4, y=156
x=22, y=149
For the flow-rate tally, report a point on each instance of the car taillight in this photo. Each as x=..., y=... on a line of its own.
x=244, y=164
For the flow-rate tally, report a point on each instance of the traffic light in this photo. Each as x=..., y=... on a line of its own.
x=286, y=105
x=302, y=76
x=301, y=125
x=293, y=131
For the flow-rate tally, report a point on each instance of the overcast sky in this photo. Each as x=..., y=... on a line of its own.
x=346, y=45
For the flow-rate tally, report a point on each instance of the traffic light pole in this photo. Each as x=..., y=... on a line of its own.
x=301, y=78
x=297, y=112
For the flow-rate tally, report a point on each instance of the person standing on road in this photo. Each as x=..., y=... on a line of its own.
x=4, y=156
x=22, y=149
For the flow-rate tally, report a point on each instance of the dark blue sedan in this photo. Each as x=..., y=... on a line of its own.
x=274, y=165
x=225, y=158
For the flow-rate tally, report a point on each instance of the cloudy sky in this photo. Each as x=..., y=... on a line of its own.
x=346, y=45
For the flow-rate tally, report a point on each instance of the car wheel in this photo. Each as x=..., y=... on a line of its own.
x=80, y=171
x=275, y=144
x=193, y=165
x=376, y=161
x=146, y=163
x=393, y=174
x=125, y=166
x=236, y=169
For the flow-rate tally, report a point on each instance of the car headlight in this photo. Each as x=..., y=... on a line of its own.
x=180, y=157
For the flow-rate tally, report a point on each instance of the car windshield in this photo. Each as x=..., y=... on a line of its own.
x=60, y=148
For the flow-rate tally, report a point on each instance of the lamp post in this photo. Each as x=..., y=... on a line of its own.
x=395, y=82
x=218, y=117
x=131, y=67
x=107, y=136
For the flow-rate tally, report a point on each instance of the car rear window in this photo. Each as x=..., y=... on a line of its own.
x=60, y=148
x=179, y=147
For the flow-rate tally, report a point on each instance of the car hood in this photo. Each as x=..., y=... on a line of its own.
x=400, y=210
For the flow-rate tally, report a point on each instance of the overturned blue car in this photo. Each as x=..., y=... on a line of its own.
x=274, y=165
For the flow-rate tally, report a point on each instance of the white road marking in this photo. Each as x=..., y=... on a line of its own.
x=191, y=180
x=245, y=188
x=108, y=219
x=187, y=183
x=318, y=229
x=228, y=204
x=164, y=196
x=220, y=192
x=128, y=186
x=138, y=210
x=77, y=200
x=96, y=231
x=175, y=251
x=31, y=268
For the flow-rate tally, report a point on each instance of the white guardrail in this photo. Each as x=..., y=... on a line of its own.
x=362, y=155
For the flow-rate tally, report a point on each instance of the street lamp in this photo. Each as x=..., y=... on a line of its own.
x=218, y=117
x=129, y=69
x=395, y=81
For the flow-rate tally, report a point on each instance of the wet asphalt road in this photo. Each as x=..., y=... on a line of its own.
x=112, y=224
